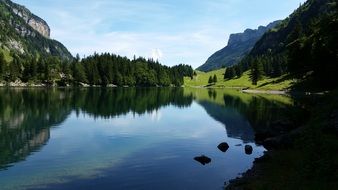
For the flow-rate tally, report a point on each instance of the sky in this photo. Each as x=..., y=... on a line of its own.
x=172, y=31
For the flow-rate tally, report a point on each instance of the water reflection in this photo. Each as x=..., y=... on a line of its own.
x=203, y=159
x=244, y=115
x=177, y=132
x=27, y=115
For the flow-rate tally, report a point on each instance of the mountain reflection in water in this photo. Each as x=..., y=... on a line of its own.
x=28, y=118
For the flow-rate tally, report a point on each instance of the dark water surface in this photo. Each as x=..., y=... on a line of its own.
x=128, y=138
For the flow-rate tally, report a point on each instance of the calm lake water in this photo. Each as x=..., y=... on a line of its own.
x=128, y=138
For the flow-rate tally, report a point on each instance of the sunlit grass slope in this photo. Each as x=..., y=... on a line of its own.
x=201, y=80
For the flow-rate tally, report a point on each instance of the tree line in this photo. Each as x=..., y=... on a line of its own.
x=99, y=70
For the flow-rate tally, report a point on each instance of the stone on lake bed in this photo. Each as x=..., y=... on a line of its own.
x=223, y=147
x=248, y=149
x=203, y=159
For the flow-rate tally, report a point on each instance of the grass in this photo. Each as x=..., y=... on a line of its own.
x=201, y=80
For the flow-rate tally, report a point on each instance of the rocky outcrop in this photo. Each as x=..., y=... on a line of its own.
x=40, y=26
x=24, y=33
x=32, y=20
x=239, y=45
x=248, y=149
x=250, y=35
x=223, y=147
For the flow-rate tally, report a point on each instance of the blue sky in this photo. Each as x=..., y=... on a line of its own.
x=173, y=31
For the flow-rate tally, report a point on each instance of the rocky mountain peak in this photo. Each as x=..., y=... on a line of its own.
x=32, y=20
x=23, y=33
x=250, y=34
x=239, y=45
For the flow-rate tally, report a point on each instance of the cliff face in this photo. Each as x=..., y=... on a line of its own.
x=239, y=45
x=35, y=22
x=32, y=20
x=22, y=32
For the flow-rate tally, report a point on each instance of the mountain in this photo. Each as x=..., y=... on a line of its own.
x=305, y=15
x=304, y=45
x=24, y=33
x=238, y=46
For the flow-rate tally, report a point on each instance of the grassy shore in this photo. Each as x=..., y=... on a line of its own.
x=201, y=80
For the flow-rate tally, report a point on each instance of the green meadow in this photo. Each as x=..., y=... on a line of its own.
x=201, y=80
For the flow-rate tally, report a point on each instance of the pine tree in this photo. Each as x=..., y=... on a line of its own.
x=295, y=48
x=238, y=71
x=14, y=69
x=33, y=69
x=2, y=66
x=210, y=81
x=26, y=75
x=256, y=72
x=80, y=75
x=215, y=79
x=230, y=73
x=47, y=76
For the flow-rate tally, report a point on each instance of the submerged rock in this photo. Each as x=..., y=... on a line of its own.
x=248, y=149
x=203, y=159
x=223, y=147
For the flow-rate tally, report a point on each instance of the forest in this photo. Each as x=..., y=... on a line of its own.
x=96, y=70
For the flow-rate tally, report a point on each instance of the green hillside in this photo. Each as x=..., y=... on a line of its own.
x=201, y=80
x=304, y=46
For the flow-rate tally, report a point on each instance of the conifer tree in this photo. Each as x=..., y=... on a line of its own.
x=256, y=72
x=215, y=79
x=210, y=81
x=2, y=66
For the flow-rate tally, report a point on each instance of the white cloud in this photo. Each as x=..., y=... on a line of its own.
x=156, y=54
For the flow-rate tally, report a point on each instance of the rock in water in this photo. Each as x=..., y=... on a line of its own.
x=223, y=147
x=248, y=149
x=203, y=159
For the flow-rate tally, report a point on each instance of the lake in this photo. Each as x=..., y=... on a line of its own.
x=129, y=138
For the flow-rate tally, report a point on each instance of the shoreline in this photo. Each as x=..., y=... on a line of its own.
x=264, y=91
x=290, y=151
x=273, y=92
x=246, y=90
x=83, y=85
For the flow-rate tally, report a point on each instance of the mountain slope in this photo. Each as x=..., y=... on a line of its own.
x=25, y=34
x=304, y=45
x=277, y=40
x=238, y=46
